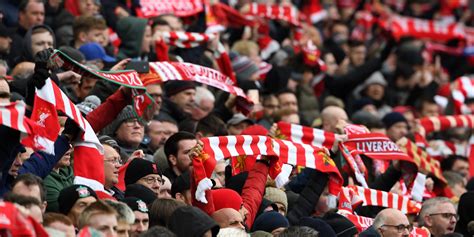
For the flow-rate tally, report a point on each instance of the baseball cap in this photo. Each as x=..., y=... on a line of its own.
x=93, y=51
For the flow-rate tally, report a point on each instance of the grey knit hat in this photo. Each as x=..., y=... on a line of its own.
x=244, y=68
x=90, y=103
x=126, y=113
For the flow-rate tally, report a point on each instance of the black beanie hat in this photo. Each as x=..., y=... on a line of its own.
x=341, y=225
x=174, y=87
x=141, y=192
x=318, y=224
x=136, y=204
x=69, y=195
x=270, y=221
x=139, y=168
x=392, y=118
x=181, y=184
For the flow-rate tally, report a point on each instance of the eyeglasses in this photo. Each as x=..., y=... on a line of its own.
x=114, y=161
x=400, y=228
x=131, y=121
x=151, y=180
x=448, y=216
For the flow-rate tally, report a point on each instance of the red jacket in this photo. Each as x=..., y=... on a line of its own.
x=103, y=115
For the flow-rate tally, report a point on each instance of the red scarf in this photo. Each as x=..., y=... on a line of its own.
x=179, y=8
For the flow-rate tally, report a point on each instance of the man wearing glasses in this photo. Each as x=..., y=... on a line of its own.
x=438, y=215
x=389, y=223
x=144, y=172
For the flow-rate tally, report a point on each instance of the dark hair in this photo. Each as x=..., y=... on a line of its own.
x=300, y=231
x=21, y=200
x=31, y=180
x=355, y=43
x=161, y=210
x=158, y=231
x=172, y=144
x=285, y=91
x=52, y=217
x=448, y=162
x=87, y=23
x=159, y=22
x=24, y=4
x=211, y=125
x=424, y=100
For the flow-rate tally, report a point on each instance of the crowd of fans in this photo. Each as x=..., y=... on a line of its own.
x=322, y=73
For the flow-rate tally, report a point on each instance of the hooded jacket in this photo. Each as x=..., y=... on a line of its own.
x=54, y=183
x=131, y=31
x=27, y=54
x=189, y=221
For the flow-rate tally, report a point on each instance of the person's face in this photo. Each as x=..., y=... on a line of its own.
x=111, y=166
x=397, y=131
x=87, y=84
x=375, y=91
x=88, y=8
x=17, y=163
x=291, y=118
x=5, y=43
x=462, y=167
x=105, y=224
x=220, y=172
x=341, y=31
x=161, y=28
x=123, y=228
x=174, y=22
x=390, y=227
x=67, y=229
x=79, y=207
x=131, y=132
x=238, y=128
x=25, y=190
x=203, y=109
x=185, y=100
x=93, y=36
x=442, y=220
x=159, y=132
x=331, y=65
x=156, y=93
x=288, y=101
x=277, y=231
x=165, y=189
x=430, y=110
x=65, y=160
x=183, y=161
x=146, y=41
x=33, y=15
x=229, y=218
x=357, y=55
x=140, y=225
x=152, y=181
x=41, y=41
x=270, y=106
x=322, y=205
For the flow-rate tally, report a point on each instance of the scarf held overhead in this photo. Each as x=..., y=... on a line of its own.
x=179, y=8
x=144, y=105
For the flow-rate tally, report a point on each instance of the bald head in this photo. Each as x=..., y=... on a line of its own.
x=330, y=116
x=387, y=220
x=23, y=69
x=4, y=91
x=228, y=217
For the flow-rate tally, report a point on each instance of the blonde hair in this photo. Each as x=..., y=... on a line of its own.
x=244, y=47
x=96, y=208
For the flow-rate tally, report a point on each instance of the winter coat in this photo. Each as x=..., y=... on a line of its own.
x=54, y=183
x=131, y=31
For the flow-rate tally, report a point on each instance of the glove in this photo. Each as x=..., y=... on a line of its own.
x=41, y=68
x=71, y=129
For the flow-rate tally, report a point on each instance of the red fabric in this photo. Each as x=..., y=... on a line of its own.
x=225, y=66
x=15, y=222
x=226, y=198
x=286, y=13
x=121, y=178
x=72, y=6
x=180, y=8
x=228, y=16
x=161, y=50
x=462, y=90
x=103, y=115
x=187, y=39
x=253, y=191
x=306, y=135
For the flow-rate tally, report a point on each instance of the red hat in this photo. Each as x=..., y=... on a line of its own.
x=268, y=46
x=226, y=198
x=311, y=56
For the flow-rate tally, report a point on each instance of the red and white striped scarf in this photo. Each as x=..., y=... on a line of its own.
x=373, y=197
x=463, y=89
x=167, y=71
x=286, y=13
x=306, y=135
x=88, y=152
x=183, y=39
x=13, y=115
x=288, y=152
